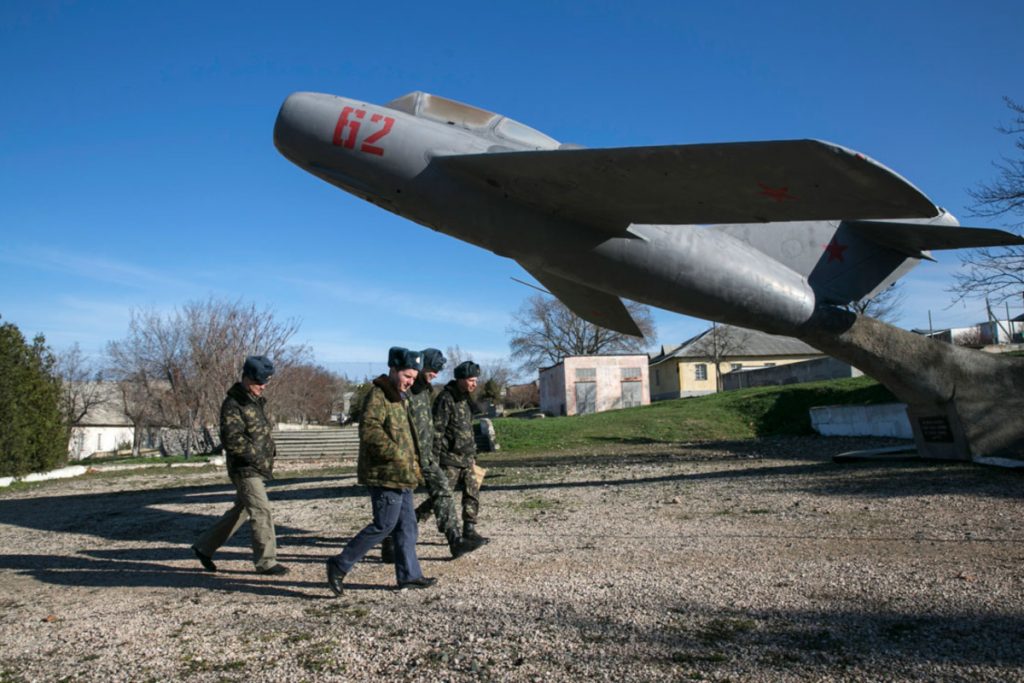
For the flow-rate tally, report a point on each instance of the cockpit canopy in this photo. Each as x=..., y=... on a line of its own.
x=482, y=122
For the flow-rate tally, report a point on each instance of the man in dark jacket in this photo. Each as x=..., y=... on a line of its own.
x=388, y=467
x=249, y=450
x=455, y=445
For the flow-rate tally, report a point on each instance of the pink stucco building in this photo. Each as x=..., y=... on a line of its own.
x=592, y=384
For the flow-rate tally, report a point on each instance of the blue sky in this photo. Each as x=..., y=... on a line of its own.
x=137, y=167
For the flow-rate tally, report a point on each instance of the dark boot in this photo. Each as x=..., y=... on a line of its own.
x=469, y=531
x=387, y=550
x=459, y=545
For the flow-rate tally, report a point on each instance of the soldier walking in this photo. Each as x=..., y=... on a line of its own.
x=249, y=450
x=388, y=467
x=440, y=500
x=454, y=444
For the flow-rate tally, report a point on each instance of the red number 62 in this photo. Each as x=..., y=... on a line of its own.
x=349, y=141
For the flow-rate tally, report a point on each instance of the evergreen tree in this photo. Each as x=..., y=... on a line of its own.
x=33, y=436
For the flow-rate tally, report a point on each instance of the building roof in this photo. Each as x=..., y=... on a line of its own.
x=595, y=355
x=744, y=343
x=108, y=409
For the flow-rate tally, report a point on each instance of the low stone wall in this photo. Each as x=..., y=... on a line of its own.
x=883, y=419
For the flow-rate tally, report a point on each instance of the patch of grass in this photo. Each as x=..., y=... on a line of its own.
x=732, y=415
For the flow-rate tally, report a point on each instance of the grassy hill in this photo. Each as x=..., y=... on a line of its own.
x=741, y=414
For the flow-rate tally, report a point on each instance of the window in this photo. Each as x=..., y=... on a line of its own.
x=586, y=374
x=700, y=372
x=657, y=376
x=631, y=373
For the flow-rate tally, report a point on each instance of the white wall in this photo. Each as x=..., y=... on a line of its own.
x=87, y=440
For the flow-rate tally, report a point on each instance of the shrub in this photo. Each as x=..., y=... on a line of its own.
x=33, y=436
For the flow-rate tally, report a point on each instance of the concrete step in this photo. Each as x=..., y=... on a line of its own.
x=341, y=442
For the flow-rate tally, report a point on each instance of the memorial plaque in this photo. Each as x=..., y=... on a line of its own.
x=935, y=429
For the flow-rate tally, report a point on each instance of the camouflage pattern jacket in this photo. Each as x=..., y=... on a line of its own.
x=245, y=433
x=387, y=448
x=422, y=395
x=454, y=443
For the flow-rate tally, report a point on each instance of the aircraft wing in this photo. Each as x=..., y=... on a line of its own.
x=741, y=182
x=594, y=306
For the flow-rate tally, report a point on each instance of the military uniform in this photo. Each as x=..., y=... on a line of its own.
x=441, y=501
x=388, y=467
x=455, y=448
x=249, y=449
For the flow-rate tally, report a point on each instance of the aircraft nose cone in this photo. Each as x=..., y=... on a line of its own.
x=289, y=127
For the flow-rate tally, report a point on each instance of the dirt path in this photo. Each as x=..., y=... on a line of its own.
x=745, y=562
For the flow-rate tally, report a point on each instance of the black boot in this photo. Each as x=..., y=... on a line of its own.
x=469, y=531
x=387, y=550
x=459, y=545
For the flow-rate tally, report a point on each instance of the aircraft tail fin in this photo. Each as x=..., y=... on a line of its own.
x=597, y=307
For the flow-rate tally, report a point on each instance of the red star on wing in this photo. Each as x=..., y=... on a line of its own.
x=835, y=250
x=777, y=193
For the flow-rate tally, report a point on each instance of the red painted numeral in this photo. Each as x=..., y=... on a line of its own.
x=353, y=126
x=368, y=145
x=349, y=141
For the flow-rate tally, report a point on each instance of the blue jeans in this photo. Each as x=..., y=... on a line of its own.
x=393, y=514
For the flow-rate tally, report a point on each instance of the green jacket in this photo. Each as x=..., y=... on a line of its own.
x=245, y=434
x=454, y=443
x=422, y=418
x=387, y=449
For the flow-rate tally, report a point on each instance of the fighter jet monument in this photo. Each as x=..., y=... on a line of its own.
x=775, y=235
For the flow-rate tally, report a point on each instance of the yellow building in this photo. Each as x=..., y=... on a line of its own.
x=690, y=368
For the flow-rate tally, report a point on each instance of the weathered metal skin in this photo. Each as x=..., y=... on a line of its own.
x=422, y=159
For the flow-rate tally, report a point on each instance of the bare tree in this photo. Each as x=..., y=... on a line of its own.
x=970, y=337
x=544, y=331
x=81, y=390
x=998, y=273
x=885, y=306
x=304, y=393
x=719, y=343
x=185, y=361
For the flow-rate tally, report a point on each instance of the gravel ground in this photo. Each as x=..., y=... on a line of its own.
x=758, y=561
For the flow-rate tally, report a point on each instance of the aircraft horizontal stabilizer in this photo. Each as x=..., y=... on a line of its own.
x=913, y=239
x=740, y=182
x=594, y=306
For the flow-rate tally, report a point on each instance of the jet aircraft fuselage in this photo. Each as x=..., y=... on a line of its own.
x=753, y=234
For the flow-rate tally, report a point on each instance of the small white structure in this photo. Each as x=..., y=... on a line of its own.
x=593, y=384
x=104, y=426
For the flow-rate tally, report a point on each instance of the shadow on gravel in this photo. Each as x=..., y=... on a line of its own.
x=869, y=480
x=790, y=644
x=129, y=570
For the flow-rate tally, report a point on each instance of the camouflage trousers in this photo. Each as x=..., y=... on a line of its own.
x=250, y=503
x=441, y=501
x=464, y=477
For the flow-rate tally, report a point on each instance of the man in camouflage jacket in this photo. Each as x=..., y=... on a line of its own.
x=455, y=445
x=388, y=467
x=440, y=500
x=249, y=451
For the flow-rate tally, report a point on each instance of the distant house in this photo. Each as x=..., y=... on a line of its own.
x=689, y=369
x=593, y=384
x=104, y=427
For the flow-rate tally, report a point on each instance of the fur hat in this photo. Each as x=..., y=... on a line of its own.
x=403, y=359
x=258, y=369
x=467, y=369
x=433, y=360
